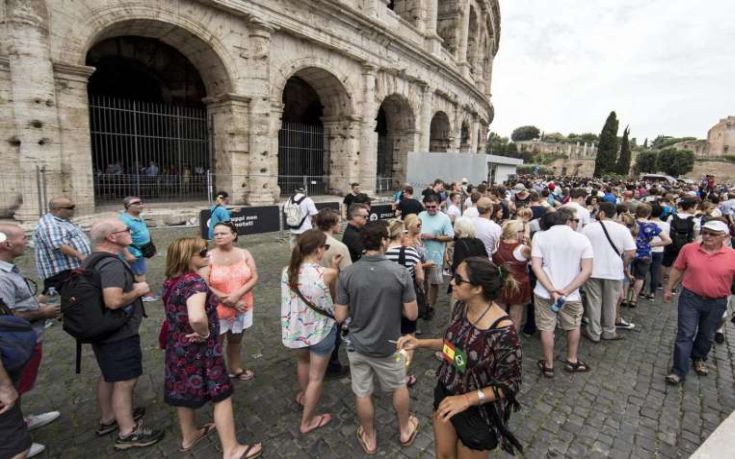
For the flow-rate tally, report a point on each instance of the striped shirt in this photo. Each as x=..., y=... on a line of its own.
x=51, y=233
x=412, y=258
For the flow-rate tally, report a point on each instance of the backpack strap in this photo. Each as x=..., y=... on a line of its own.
x=498, y=320
x=402, y=256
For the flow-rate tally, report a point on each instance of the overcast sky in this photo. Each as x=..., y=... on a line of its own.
x=665, y=66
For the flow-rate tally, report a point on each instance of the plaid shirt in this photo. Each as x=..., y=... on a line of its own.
x=51, y=233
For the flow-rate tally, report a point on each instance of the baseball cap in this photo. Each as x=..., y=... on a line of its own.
x=717, y=226
x=464, y=180
x=520, y=187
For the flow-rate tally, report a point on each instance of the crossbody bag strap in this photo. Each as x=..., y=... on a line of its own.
x=312, y=306
x=607, y=235
x=402, y=256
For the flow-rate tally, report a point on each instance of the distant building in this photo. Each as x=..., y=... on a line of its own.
x=697, y=146
x=721, y=138
x=576, y=150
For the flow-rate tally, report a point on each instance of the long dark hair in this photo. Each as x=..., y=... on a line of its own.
x=307, y=243
x=492, y=278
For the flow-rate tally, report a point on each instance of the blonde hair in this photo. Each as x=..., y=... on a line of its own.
x=179, y=254
x=525, y=213
x=463, y=227
x=629, y=221
x=511, y=228
x=395, y=229
x=410, y=220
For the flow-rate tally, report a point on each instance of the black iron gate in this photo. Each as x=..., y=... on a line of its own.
x=384, y=175
x=303, y=158
x=156, y=151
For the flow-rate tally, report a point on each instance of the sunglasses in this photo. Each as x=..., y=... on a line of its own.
x=458, y=280
x=136, y=203
x=203, y=253
x=431, y=207
x=126, y=230
x=72, y=207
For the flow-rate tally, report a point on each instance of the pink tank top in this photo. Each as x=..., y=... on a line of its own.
x=227, y=279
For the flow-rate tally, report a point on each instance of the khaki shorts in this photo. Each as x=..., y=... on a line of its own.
x=391, y=372
x=569, y=317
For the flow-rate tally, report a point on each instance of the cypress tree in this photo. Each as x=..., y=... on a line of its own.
x=607, y=149
x=622, y=167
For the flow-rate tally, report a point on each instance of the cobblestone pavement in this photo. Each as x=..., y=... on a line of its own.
x=621, y=409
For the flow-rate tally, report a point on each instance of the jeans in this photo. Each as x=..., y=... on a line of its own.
x=698, y=319
x=656, y=259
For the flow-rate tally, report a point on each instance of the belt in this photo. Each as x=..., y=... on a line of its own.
x=704, y=297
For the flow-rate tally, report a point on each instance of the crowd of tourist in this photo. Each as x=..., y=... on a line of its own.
x=524, y=258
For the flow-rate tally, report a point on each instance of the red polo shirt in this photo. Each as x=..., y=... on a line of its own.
x=707, y=275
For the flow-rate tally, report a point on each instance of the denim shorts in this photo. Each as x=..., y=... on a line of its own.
x=138, y=266
x=325, y=346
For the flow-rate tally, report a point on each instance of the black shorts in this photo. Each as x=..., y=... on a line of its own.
x=640, y=267
x=14, y=436
x=121, y=360
x=669, y=257
x=471, y=428
x=408, y=327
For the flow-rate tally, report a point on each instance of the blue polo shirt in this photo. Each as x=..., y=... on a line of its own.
x=219, y=214
x=139, y=232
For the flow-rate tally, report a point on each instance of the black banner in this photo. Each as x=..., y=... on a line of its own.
x=247, y=220
x=381, y=212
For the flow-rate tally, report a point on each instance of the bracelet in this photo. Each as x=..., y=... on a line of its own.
x=481, y=396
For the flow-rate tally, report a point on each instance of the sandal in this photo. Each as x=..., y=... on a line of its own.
x=324, y=419
x=363, y=443
x=415, y=431
x=242, y=375
x=700, y=368
x=411, y=380
x=255, y=455
x=633, y=304
x=546, y=371
x=205, y=430
x=576, y=367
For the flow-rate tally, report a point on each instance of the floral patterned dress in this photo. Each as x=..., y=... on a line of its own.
x=195, y=372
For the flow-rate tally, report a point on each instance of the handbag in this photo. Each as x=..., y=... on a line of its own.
x=148, y=250
x=314, y=308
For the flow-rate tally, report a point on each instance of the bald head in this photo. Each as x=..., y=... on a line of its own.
x=11, y=230
x=62, y=207
x=104, y=228
x=12, y=241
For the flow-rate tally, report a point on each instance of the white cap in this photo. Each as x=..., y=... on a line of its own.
x=464, y=180
x=717, y=226
x=3, y=237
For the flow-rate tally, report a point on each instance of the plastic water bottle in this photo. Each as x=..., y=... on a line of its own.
x=558, y=304
x=52, y=297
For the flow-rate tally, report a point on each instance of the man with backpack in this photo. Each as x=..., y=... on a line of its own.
x=16, y=293
x=118, y=353
x=298, y=211
x=684, y=229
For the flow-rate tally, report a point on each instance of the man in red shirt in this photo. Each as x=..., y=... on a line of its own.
x=706, y=270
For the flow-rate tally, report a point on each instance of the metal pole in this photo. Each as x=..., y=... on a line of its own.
x=136, y=172
x=38, y=187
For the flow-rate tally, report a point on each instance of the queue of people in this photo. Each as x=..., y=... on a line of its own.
x=523, y=259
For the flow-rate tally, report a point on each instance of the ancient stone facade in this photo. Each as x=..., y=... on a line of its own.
x=423, y=68
x=721, y=138
x=573, y=150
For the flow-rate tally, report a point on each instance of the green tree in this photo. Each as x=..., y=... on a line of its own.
x=607, y=149
x=646, y=162
x=555, y=137
x=622, y=167
x=496, y=145
x=525, y=133
x=675, y=162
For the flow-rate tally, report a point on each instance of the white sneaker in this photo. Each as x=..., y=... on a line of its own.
x=625, y=325
x=37, y=421
x=36, y=449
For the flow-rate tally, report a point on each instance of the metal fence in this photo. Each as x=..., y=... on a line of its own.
x=147, y=149
x=303, y=158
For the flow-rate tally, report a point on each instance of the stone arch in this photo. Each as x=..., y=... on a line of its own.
x=313, y=139
x=440, y=133
x=396, y=128
x=447, y=24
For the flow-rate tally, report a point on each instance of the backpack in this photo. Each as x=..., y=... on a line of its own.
x=292, y=210
x=17, y=339
x=682, y=232
x=83, y=307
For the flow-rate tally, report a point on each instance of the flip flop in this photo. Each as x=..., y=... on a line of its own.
x=252, y=456
x=208, y=429
x=363, y=443
x=321, y=422
x=411, y=438
x=242, y=375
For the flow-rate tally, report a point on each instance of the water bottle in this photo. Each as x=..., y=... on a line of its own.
x=52, y=297
x=558, y=304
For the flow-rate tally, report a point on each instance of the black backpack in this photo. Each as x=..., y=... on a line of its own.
x=682, y=232
x=85, y=316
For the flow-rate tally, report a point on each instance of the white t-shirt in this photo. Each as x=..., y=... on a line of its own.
x=467, y=203
x=608, y=264
x=561, y=250
x=308, y=209
x=471, y=212
x=581, y=213
x=666, y=229
x=488, y=232
x=453, y=212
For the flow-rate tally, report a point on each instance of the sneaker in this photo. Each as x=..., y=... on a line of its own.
x=149, y=298
x=673, y=379
x=700, y=368
x=36, y=449
x=139, y=438
x=585, y=320
x=36, y=421
x=719, y=337
x=624, y=325
x=104, y=429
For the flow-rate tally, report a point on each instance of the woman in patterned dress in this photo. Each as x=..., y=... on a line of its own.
x=195, y=368
x=480, y=374
x=307, y=320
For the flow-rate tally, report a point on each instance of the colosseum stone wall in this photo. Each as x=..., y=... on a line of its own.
x=110, y=97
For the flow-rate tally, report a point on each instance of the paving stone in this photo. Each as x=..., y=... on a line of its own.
x=622, y=407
